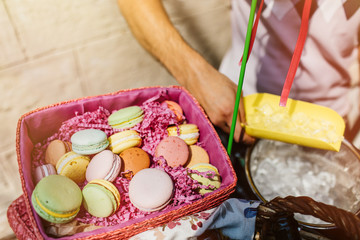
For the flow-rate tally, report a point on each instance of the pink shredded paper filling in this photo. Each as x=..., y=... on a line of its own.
x=152, y=130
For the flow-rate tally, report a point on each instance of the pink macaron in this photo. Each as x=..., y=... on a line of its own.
x=104, y=165
x=151, y=190
x=44, y=171
x=174, y=150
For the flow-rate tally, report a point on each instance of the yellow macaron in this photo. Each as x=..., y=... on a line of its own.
x=124, y=140
x=73, y=166
x=187, y=132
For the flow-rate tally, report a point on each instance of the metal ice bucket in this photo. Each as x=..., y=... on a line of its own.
x=279, y=169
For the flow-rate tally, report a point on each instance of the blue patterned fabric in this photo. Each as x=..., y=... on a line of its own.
x=236, y=218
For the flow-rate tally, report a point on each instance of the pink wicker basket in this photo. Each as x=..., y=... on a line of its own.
x=37, y=125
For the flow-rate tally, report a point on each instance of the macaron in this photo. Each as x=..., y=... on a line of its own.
x=151, y=190
x=212, y=183
x=73, y=166
x=197, y=155
x=133, y=160
x=44, y=171
x=57, y=199
x=101, y=198
x=188, y=132
x=174, y=150
x=55, y=150
x=124, y=140
x=89, y=141
x=175, y=108
x=104, y=165
x=126, y=118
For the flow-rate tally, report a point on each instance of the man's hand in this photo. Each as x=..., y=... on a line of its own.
x=217, y=93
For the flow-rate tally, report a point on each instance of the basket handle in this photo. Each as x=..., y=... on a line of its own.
x=344, y=220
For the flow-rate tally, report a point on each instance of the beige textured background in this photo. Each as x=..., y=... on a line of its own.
x=51, y=51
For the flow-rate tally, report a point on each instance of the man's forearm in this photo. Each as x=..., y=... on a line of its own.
x=153, y=29
x=214, y=91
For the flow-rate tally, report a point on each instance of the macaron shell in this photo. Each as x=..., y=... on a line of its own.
x=215, y=182
x=205, y=167
x=97, y=202
x=174, y=150
x=124, y=140
x=126, y=117
x=101, y=198
x=118, y=148
x=151, y=189
x=129, y=124
x=188, y=132
x=89, y=141
x=175, y=108
x=55, y=150
x=57, y=199
x=44, y=171
x=133, y=160
x=110, y=187
x=197, y=155
x=73, y=166
x=104, y=165
x=155, y=208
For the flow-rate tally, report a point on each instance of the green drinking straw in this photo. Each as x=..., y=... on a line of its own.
x=242, y=73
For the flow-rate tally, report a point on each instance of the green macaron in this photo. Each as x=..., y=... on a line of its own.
x=210, y=182
x=101, y=198
x=126, y=118
x=57, y=199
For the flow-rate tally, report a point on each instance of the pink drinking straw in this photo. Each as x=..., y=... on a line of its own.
x=297, y=53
